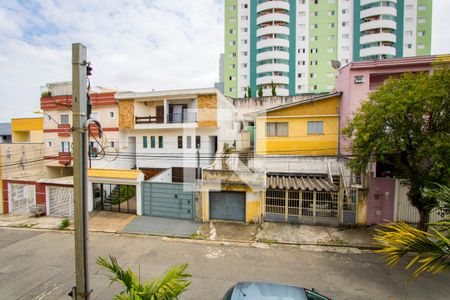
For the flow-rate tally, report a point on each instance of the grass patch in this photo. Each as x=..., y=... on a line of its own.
x=269, y=242
x=198, y=236
x=64, y=224
x=22, y=225
x=333, y=242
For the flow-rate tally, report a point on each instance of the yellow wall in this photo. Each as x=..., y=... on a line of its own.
x=253, y=200
x=298, y=142
x=27, y=130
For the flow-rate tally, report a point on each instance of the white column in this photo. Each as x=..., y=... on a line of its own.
x=138, y=199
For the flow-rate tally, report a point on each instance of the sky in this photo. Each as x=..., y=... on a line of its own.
x=136, y=45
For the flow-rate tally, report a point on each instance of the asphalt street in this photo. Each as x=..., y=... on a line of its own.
x=40, y=265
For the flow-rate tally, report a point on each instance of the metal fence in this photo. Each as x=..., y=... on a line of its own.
x=310, y=207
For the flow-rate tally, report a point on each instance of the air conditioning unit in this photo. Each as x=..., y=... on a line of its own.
x=359, y=79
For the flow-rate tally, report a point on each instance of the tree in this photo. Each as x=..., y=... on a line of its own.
x=168, y=287
x=406, y=122
x=249, y=90
x=260, y=91
x=274, y=92
x=431, y=250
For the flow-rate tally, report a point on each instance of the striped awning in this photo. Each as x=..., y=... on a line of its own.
x=306, y=183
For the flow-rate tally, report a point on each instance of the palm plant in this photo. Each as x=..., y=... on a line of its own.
x=431, y=250
x=168, y=287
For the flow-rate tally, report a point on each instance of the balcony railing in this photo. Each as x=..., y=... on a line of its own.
x=149, y=120
x=185, y=117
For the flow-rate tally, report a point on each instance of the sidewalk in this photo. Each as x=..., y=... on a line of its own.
x=268, y=232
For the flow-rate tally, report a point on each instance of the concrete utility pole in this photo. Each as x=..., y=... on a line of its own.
x=79, y=109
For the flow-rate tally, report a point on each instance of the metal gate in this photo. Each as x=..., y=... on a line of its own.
x=297, y=206
x=59, y=201
x=22, y=198
x=172, y=200
x=227, y=206
x=405, y=211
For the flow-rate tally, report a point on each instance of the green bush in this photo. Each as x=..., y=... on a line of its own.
x=64, y=224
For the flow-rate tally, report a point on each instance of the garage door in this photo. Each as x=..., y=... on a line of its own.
x=60, y=201
x=172, y=200
x=227, y=206
x=22, y=198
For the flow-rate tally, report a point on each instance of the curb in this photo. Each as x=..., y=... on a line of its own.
x=204, y=241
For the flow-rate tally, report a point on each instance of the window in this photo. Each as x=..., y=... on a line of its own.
x=313, y=63
x=64, y=119
x=408, y=33
x=276, y=129
x=111, y=115
x=232, y=31
x=409, y=6
x=180, y=142
x=244, y=42
x=314, y=1
x=408, y=20
x=301, y=63
x=314, y=14
x=198, y=142
x=421, y=20
x=232, y=7
x=345, y=11
x=244, y=18
x=189, y=142
x=232, y=20
x=421, y=33
x=331, y=13
x=345, y=48
x=314, y=38
x=344, y=24
x=314, y=87
x=232, y=43
x=244, y=29
x=330, y=25
x=301, y=14
x=422, y=7
x=421, y=46
x=331, y=37
x=232, y=66
x=232, y=54
x=358, y=79
x=314, y=26
x=301, y=50
x=313, y=75
x=160, y=141
x=49, y=144
x=314, y=50
x=330, y=50
x=244, y=5
x=315, y=127
x=302, y=38
x=244, y=53
x=95, y=115
x=112, y=143
x=144, y=142
x=65, y=147
x=152, y=142
x=345, y=36
x=48, y=117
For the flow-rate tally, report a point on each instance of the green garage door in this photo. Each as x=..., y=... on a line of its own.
x=227, y=206
x=172, y=200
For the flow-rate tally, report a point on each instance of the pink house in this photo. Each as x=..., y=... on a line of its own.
x=355, y=81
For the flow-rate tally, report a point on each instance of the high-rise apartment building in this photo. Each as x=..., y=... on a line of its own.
x=293, y=46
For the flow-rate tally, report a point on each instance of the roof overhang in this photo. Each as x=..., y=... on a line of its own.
x=169, y=94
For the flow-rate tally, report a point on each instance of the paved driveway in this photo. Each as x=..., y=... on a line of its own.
x=162, y=226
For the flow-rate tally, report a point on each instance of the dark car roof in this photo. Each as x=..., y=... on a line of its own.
x=267, y=291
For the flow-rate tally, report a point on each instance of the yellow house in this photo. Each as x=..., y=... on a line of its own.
x=27, y=130
x=309, y=127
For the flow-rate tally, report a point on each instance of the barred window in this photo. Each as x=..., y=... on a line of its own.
x=277, y=129
x=315, y=127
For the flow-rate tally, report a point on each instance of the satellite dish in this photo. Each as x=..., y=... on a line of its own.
x=335, y=64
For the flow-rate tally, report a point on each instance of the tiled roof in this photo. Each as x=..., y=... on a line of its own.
x=306, y=183
x=114, y=173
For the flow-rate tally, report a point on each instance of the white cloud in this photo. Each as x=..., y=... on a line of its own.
x=138, y=45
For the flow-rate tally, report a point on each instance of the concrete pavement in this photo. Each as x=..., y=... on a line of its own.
x=40, y=265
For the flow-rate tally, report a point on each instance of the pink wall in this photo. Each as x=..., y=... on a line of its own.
x=381, y=200
x=354, y=94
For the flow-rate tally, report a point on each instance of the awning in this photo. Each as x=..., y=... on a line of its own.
x=115, y=173
x=305, y=183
